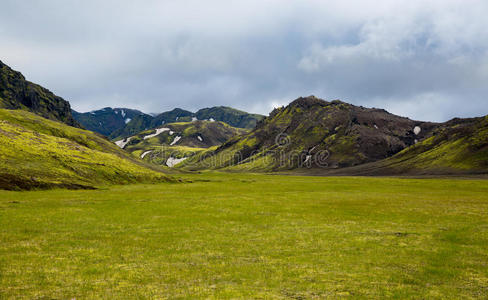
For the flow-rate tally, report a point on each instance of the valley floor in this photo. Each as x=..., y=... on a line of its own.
x=244, y=235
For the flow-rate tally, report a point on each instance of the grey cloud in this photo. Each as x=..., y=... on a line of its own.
x=426, y=60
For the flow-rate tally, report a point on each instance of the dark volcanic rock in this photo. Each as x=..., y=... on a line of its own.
x=18, y=93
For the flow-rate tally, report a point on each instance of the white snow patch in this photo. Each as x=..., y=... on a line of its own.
x=122, y=113
x=116, y=112
x=158, y=132
x=162, y=123
x=175, y=140
x=200, y=138
x=375, y=126
x=127, y=120
x=417, y=130
x=416, y=141
x=145, y=153
x=177, y=118
x=171, y=132
x=123, y=142
x=171, y=162
x=193, y=119
x=93, y=113
x=211, y=120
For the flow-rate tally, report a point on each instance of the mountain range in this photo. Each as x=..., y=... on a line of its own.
x=44, y=144
x=123, y=122
x=321, y=137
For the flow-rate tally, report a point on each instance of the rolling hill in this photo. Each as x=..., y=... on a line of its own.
x=37, y=153
x=18, y=93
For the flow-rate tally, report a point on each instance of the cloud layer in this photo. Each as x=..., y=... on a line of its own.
x=423, y=59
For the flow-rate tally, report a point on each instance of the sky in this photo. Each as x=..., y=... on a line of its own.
x=424, y=59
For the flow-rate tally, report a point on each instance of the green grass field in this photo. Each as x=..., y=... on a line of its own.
x=248, y=236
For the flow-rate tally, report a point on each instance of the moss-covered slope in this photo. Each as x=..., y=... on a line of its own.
x=311, y=132
x=460, y=146
x=229, y=115
x=40, y=153
x=18, y=93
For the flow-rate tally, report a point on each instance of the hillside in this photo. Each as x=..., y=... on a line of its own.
x=459, y=147
x=311, y=132
x=231, y=116
x=39, y=153
x=106, y=120
x=178, y=140
x=18, y=93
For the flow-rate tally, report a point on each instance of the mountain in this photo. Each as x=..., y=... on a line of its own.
x=231, y=116
x=182, y=139
x=18, y=93
x=107, y=120
x=37, y=153
x=119, y=123
x=311, y=132
x=145, y=122
x=460, y=146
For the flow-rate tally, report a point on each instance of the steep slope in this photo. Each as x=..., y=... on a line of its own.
x=460, y=146
x=18, y=93
x=40, y=153
x=178, y=140
x=107, y=120
x=311, y=132
x=231, y=116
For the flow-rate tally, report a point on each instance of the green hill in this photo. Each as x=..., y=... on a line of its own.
x=18, y=93
x=458, y=147
x=165, y=145
x=310, y=133
x=39, y=153
x=229, y=115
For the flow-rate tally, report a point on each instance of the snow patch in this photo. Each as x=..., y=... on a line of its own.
x=417, y=130
x=211, y=120
x=122, y=113
x=171, y=132
x=145, y=153
x=177, y=118
x=127, y=120
x=175, y=140
x=123, y=142
x=200, y=138
x=171, y=162
x=158, y=132
x=116, y=112
x=193, y=119
x=375, y=126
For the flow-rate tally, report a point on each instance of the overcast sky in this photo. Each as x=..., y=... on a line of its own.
x=423, y=59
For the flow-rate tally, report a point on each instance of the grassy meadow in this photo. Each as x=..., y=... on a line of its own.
x=248, y=236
